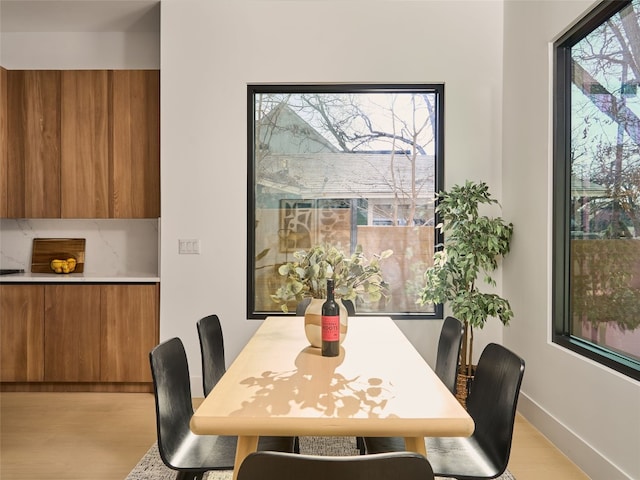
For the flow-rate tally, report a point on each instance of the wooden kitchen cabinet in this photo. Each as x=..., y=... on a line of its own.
x=77, y=337
x=22, y=333
x=136, y=144
x=129, y=332
x=81, y=144
x=84, y=146
x=33, y=144
x=72, y=333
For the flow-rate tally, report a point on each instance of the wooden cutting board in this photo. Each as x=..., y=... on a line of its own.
x=47, y=249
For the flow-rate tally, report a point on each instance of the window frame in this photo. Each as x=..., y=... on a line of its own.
x=561, y=216
x=259, y=88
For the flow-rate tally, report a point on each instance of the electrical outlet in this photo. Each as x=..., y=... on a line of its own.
x=188, y=247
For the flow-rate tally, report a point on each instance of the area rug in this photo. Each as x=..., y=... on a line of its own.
x=150, y=467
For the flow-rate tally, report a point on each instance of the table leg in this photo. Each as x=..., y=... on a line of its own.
x=246, y=445
x=415, y=444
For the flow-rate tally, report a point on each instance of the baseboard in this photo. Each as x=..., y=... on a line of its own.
x=104, y=387
x=577, y=450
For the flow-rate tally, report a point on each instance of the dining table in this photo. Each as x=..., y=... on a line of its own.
x=378, y=385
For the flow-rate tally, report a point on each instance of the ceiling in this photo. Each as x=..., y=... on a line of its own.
x=79, y=16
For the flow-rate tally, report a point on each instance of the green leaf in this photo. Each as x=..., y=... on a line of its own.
x=473, y=244
x=355, y=276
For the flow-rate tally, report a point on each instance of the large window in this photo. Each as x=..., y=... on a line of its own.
x=344, y=165
x=596, y=290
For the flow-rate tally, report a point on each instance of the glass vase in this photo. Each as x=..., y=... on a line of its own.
x=313, y=321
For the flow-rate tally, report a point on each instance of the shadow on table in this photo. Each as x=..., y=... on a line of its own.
x=315, y=384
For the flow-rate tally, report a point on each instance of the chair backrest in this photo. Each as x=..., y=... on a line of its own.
x=351, y=309
x=449, y=352
x=302, y=306
x=493, y=399
x=211, y=351
x=266, y=465
x=174, y=408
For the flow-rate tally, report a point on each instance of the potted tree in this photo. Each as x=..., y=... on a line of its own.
x=356, y=278
x=473, y=244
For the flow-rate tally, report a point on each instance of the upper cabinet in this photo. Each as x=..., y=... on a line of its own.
x=84, y=179
x=33, y=141
x=136, y=144
x=83, y=144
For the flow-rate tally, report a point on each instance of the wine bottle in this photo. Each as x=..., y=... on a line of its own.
x=330, y=324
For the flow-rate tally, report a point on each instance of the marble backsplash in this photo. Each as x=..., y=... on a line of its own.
x=113, y=246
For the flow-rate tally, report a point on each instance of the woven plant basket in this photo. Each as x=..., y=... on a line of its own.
x=463, y=385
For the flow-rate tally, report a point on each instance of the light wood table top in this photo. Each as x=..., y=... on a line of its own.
x=379, y=385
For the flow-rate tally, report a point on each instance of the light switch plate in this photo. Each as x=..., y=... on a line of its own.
x=189, y=247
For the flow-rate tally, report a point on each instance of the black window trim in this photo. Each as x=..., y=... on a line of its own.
x=253, y=89
x=561, y=188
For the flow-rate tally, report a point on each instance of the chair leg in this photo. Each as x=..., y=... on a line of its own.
x=296, y=444
x=189, y=475
x=360, y=445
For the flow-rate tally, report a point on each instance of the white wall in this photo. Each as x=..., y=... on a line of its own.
x=212, y=50
x=589, y=411
x=79, y=50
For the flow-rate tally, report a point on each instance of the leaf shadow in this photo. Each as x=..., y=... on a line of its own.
x=315, y=384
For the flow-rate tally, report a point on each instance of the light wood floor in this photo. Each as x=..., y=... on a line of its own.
x=101, y=436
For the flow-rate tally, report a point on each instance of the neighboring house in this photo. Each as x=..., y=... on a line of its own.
x=296, y=162
x=282, y=130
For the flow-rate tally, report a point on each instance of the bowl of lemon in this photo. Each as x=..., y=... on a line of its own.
x=67, y=265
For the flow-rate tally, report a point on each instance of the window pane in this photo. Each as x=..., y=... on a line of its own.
x=604, y=282
x=344, y=165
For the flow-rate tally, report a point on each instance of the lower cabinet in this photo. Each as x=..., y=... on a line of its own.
x=21, y=333
x=93, y=334
x=129, y=332
x=72, y=333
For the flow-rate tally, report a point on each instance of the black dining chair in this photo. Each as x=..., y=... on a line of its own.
x=211, y=351
x=181, y=450
x=302, y=306
x=448, y=356
x=351, y=309
x=446, y=368
x=492, y=404
x=384, y=466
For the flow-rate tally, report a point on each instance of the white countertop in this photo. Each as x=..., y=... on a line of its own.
x=127, y=277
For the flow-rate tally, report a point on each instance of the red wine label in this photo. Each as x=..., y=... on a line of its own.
x=331, y=328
